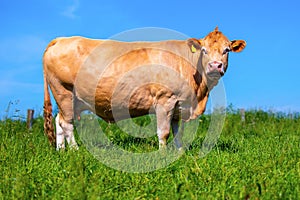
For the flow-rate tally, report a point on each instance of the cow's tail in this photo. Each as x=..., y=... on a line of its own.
x=48, y=117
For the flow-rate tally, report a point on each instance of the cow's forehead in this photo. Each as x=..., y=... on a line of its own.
x=216, y=39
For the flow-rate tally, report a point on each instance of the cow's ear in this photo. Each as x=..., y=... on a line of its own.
x=237, y=45
x=194, y=44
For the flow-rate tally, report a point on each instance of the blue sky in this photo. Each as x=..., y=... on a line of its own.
x=265, y=75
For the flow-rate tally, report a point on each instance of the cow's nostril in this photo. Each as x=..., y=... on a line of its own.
x=215, y=65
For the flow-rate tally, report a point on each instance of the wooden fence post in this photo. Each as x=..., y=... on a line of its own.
x=242, y=112
x=30, y=113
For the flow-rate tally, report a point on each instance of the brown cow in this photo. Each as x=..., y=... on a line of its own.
x=117, y=80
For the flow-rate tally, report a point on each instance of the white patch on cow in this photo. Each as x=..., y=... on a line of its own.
x=64, y=131
x=161, y=139
x=69, y=135
x=60, y=139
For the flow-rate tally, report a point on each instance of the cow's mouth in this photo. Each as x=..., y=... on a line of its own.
x=213, y=78
x=215, y=74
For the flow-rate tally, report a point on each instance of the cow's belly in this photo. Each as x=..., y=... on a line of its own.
x=115, y=100
x=122, y=102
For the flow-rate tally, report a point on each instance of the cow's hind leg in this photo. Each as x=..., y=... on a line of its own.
x=69, y=133
x=64, y=120
x=60, y=138
x=64, y=131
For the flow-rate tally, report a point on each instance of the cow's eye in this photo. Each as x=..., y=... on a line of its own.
x=226, y=50
x=203, y=49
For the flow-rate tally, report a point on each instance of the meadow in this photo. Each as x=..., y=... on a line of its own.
x=258, y=158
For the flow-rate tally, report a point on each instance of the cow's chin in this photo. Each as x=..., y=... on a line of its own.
x=215, y=74
x=213, y=79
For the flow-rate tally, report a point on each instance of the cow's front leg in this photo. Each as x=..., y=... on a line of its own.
x=163, y=125
x=177, y=133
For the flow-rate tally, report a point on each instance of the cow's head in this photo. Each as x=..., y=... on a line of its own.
x=214, y=52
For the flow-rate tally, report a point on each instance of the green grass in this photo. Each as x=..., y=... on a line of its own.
x=255, y=159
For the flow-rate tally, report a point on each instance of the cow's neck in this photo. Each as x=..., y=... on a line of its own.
x=202, y=93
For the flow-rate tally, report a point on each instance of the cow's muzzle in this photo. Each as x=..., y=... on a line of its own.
x=215, y=66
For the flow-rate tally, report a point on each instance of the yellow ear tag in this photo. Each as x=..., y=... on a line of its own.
x=193, y=49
